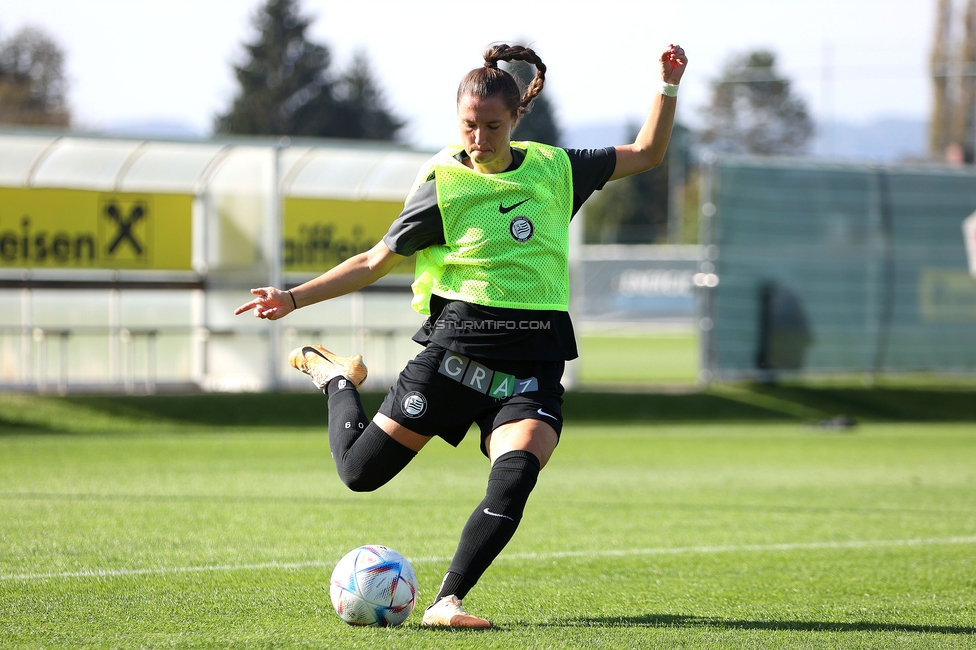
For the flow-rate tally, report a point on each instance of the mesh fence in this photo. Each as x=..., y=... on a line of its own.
x=832, y=268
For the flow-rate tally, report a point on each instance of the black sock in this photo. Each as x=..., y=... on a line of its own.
x=493, y=523
x=365, y=456
x=456, y=584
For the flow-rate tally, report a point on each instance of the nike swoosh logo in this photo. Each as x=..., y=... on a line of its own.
x=504, y=210
x=495, y=514
x=548, y=415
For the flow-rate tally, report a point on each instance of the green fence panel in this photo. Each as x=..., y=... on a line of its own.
x=840, y=268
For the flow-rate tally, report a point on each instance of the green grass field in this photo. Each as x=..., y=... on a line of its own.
x=611, y=359
x=124, y=524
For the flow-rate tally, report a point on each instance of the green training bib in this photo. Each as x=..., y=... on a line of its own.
x=507, y=234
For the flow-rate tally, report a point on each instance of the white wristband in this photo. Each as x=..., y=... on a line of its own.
x=669, y=90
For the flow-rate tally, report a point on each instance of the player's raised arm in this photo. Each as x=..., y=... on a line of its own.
x=648, y=150
x=351, y=275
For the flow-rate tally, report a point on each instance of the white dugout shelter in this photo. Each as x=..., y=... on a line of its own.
x=121, y=260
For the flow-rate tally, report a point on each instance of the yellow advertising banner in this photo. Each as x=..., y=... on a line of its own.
x=320, y=233
x=88, y=229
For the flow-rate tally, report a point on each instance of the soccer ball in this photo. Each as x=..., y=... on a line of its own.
x=373, y=585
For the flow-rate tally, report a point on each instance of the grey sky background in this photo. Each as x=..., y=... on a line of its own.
x=138, y=60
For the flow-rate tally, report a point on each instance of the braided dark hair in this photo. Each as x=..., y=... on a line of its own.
x=490, y=80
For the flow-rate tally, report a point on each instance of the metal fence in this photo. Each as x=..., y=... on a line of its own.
x=142, y=341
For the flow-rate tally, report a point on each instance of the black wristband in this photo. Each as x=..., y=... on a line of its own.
x=293, y=302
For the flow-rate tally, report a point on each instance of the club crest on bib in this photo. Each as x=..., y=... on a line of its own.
x=414, y=404
x=521, y=229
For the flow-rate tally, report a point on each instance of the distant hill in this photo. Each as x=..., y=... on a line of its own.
x=889, y=140
x=153, y=128
x=881, y=140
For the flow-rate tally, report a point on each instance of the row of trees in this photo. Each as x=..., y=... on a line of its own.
x=753, y=110
x=287, y=87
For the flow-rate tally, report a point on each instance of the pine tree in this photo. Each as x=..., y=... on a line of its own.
x=753, y=109
x=33, y=88
x=286, y=87
x=539, y=124
x=285, y=80
x=362, y=110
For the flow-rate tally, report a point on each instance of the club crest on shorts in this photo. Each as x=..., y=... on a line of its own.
x=414, y=405
x=521, y=229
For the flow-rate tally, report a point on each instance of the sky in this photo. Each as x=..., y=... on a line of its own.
x=132, y=61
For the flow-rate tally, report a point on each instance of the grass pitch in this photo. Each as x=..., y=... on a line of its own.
x=654, y=358
x=724, y=535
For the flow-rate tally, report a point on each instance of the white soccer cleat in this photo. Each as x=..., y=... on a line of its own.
x=447, y=612
x=322, y=365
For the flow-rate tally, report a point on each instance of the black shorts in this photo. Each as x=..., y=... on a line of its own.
x=441, y=393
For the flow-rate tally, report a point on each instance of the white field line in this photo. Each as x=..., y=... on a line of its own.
x=292, y=566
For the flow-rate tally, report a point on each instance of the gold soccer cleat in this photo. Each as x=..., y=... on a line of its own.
x=322, y=365
x=447, y=612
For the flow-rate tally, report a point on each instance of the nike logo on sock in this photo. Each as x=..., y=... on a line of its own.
x=495, y=514
x=548, y=415
x=504, y=210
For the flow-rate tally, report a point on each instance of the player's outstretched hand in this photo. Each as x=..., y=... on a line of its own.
x=270, y=303
x=673, y=64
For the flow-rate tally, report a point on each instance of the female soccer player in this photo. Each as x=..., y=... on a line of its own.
x=489, y=221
